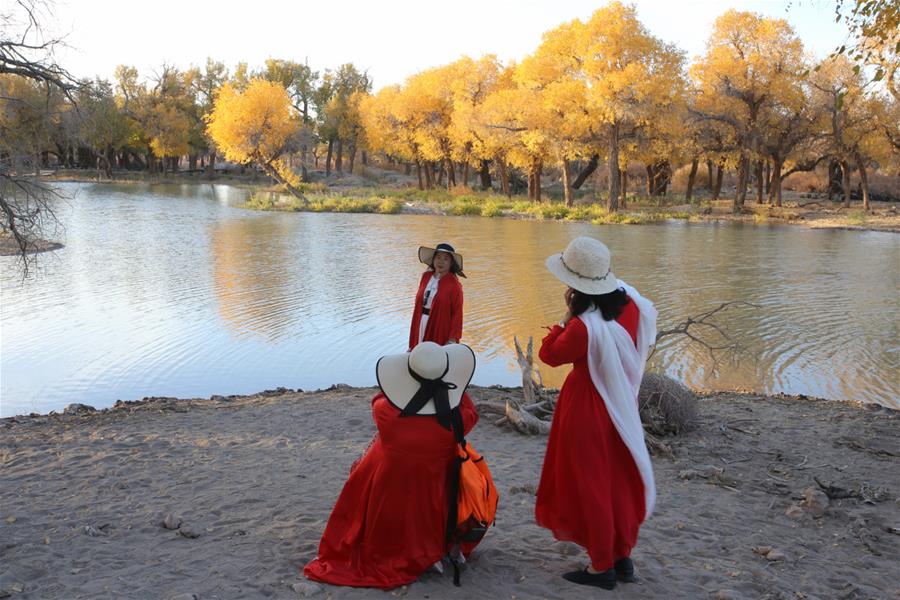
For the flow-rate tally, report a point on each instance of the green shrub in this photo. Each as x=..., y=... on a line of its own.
x=491, y=209
x=389, y=206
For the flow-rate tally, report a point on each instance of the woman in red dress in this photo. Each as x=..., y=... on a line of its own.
x=597, y=481
x=389, y=524
x=438, y=311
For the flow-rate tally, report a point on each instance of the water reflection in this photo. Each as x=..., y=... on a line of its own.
x=173, y=290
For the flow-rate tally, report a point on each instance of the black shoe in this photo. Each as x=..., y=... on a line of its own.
x=625, y=570
x=605, y=580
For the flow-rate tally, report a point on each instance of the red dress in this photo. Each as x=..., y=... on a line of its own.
x=591, y=492
x=389, y=523
x=446, y=314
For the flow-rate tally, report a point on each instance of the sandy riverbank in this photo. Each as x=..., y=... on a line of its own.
x=253, y=479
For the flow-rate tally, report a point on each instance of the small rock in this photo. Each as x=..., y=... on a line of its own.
x=762, y=550
x=189, y=532
x=279, y=391
x=17, y=588
x=171, y=521
x=91, y=531
x=78, y=409
x=776, y=555
x=688, y=474
x=217, y=398
x=794, y=511
x=306, y=588
x=185, y=597
x=46, y=541
x=10, y=519
x=815, y=502
x=727, y=595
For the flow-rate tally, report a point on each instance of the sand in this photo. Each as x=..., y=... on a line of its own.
x=252, y=480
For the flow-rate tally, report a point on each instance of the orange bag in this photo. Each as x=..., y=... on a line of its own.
x=477, y=497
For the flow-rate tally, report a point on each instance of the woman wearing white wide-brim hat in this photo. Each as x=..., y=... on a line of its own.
x=597, y=481
x=390, y=522
x=438, y=310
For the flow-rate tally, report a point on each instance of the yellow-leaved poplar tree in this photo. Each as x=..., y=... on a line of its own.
x=257, y=125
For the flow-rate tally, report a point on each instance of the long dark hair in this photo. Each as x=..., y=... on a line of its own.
x=610, y=305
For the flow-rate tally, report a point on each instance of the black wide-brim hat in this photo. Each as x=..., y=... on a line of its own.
x=426, y=255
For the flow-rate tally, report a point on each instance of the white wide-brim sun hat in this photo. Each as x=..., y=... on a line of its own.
x=426, y=255
x=453, y=364
x=585, y=266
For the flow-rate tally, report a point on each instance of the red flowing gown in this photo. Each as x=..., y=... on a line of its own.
x=591, y=491
x=389, y=523
x=446, y=314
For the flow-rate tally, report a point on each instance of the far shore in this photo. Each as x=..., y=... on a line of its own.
x=351, y=193
x=226, y=497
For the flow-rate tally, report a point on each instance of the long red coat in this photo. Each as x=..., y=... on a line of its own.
x=389, y=523
x=591, y=491
x=446, y=314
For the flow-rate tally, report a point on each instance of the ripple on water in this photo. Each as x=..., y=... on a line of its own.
x=175, y=291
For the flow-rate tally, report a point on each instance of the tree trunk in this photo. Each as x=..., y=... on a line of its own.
x=451, y=173
x=612, y=166
x=709, y=175
x=328, y=157
x=466, y=173
x=429, y=175
x=768, y=178
x=759, y=182
x=845, y=182
x=650, y=184
x=623, y=173
x=835, y=179
x=717, y=188
x=691, y=177
x=485, y=175
x=339, y=157
x=365, y=158
x=504, y=177
x=567, y=186
x=589, y=168
x=109, y=174
x=531, y=184
x=352, y=157
x=863, y=180
x=740, y=193
x=419, y=174
x=272, y=172
x=775, y=185
x=537, y=180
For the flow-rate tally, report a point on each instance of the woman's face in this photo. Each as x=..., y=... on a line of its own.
x=442, y=262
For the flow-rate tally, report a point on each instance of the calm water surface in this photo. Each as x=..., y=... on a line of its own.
x=176, y=291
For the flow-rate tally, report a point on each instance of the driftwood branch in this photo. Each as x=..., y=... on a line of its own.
x=703, y=330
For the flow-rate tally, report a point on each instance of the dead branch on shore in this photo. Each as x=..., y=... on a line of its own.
x=699, y=328
x=667, y=407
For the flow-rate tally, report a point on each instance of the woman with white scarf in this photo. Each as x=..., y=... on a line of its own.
x=597, y=481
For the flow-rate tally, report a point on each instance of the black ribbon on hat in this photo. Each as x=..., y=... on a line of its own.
x=436, y=389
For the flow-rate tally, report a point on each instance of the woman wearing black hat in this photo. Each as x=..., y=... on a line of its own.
x=437, y=314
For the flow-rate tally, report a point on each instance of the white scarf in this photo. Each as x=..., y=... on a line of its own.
x=617, y=368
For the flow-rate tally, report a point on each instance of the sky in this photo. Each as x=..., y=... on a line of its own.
x=392, y=39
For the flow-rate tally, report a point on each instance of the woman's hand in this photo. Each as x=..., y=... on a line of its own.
x=568, y=316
